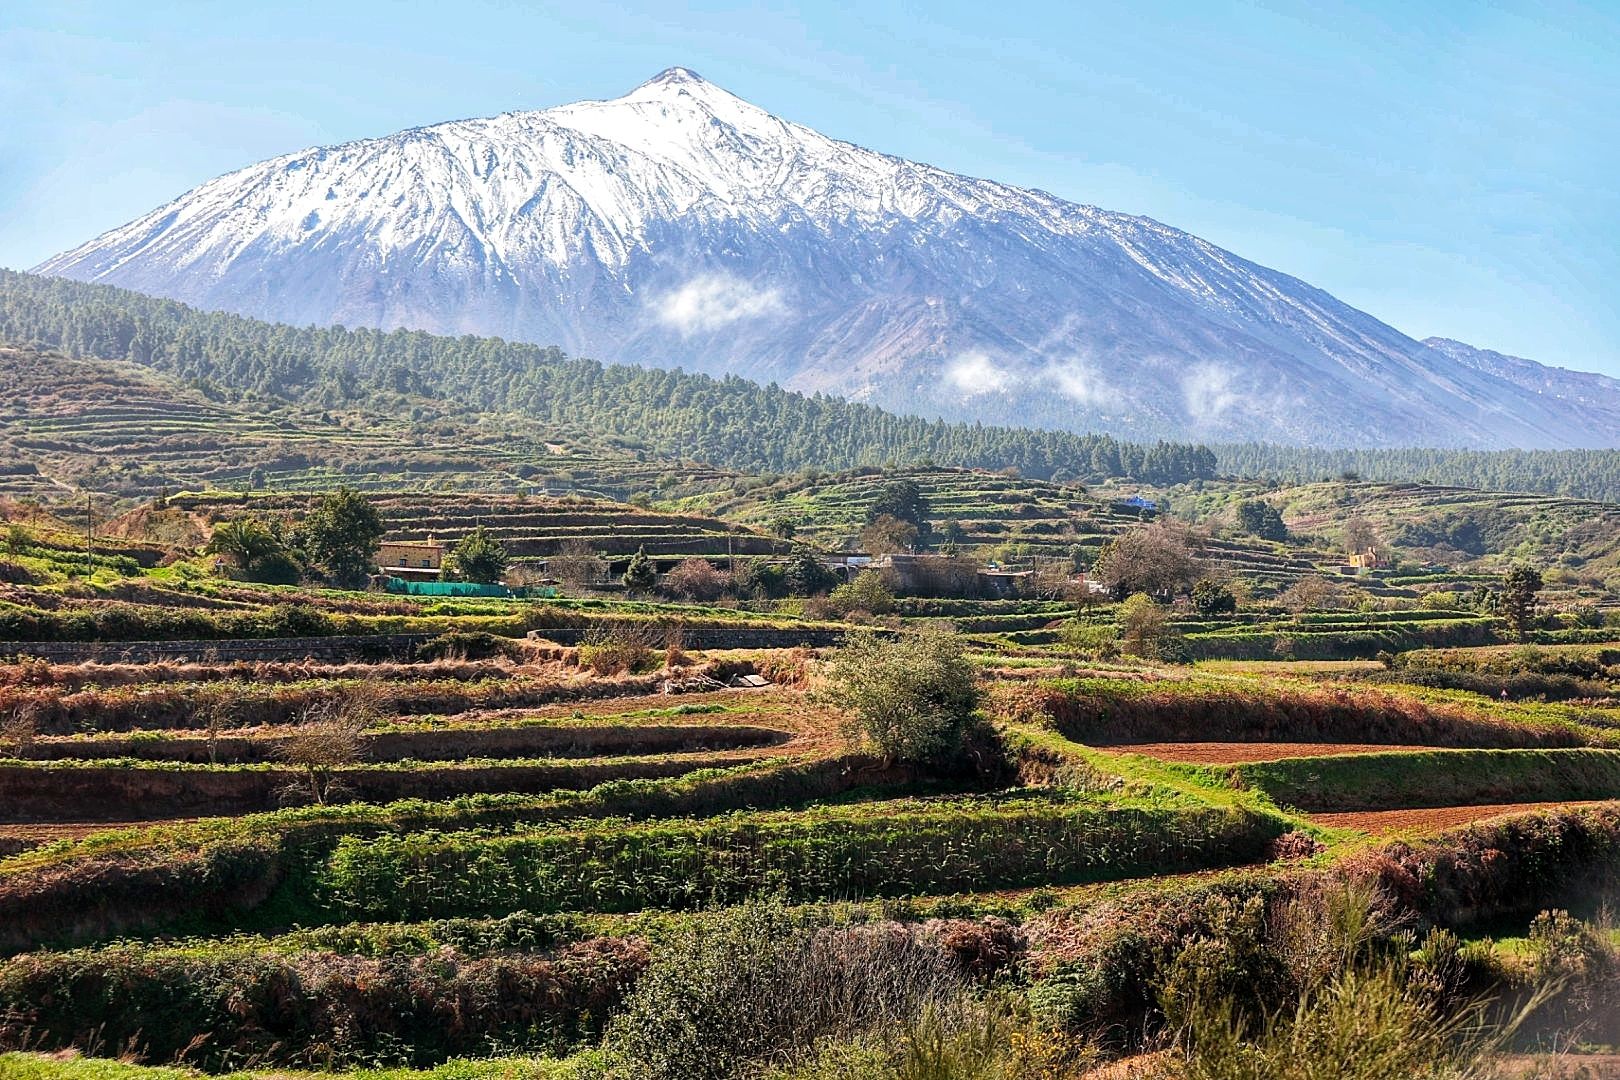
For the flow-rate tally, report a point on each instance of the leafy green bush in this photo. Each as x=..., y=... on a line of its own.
x=914, y=696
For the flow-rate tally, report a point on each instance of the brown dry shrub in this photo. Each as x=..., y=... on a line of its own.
x=979, y=947
x=329, y=735
x=618, y=650
x=1293, y=845
x=789, y=667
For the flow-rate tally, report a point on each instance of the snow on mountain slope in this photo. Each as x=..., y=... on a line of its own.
x=681, y=225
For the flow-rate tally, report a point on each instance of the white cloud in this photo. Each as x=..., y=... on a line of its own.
x=713, y=301
x=975, y=373
x=1078, y=380
x=1208, y=392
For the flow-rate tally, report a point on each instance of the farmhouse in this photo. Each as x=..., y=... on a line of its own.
x=413, y=558
x=1360, y=561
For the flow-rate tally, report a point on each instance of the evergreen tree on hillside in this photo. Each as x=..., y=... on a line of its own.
x=340, y=536
x=1259, y=518
x=1519, y=599
x=640, y=575
x=478, y=557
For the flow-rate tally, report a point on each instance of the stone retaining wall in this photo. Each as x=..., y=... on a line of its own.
x=336, y=649
x=727, y=637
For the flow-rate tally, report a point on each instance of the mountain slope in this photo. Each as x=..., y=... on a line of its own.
x=682, y=225
x=1597, y=395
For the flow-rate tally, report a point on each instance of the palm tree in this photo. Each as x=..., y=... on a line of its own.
x=244, y=542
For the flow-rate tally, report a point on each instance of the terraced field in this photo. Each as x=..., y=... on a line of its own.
x=528, y=527
x=299, y=827
x=125, y=432
x=547, y=829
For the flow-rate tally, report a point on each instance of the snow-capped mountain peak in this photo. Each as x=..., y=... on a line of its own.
x=681, y=224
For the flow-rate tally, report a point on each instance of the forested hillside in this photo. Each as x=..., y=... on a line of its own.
x=730, y=422
x=675, y=415
x=1585, y=474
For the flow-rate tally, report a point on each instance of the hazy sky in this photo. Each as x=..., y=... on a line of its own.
x=1448, y=167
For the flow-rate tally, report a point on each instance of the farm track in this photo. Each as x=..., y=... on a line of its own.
x=1433, y=818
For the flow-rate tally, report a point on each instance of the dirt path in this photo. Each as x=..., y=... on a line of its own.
x=1431, y=819
x=1231, y=753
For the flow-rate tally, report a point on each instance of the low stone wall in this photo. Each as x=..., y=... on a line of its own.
x=335, y=649
x=726, y=637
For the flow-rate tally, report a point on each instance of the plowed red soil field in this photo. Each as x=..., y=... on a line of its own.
x=1231, y=753
x=1430, y=819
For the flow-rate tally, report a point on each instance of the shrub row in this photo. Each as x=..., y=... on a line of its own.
x=250, y=703
x=120, y=789
x=887, y=850
x=1438, y=778
x=223, y=1007
x=1109, y=711
x=217, y=874
x=1339, y=644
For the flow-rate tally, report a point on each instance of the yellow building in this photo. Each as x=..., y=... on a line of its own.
x=413, y=555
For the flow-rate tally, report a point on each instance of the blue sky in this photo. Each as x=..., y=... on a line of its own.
x=1449, y=167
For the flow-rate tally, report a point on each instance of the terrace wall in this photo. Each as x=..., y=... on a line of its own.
x=336, y=649
x=726, y=637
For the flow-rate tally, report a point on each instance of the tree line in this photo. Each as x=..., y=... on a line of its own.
x=729, y=421
x=1581, y=474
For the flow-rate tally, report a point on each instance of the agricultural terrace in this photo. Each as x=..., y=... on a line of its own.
x=615, y=834
x=128, y=433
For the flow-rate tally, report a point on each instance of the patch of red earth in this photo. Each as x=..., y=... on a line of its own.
x=1432, y=818
x=1232, y=753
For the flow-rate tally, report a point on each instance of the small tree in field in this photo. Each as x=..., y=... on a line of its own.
x=1152, y=559
x=888, y=535
x=341, y=537
x=1145, y=630
x=18, y=729
x=1519, y=599
x=329, y=735
x=577, y=564
x=1259, y=518
x=913, y=696
x=1213, y=598
x=696, y=579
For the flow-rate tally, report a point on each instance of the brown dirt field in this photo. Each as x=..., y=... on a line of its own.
x=1230, y=753
x=1430, y=819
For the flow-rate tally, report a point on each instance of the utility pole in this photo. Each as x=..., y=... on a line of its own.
x=89, y=529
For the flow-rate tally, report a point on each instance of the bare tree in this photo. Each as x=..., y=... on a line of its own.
x=577, y=564
x=330, y=734
x=1314, y=593
x=18, y=731
x=1155, y=559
